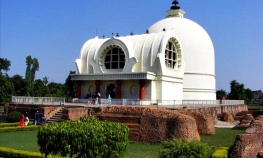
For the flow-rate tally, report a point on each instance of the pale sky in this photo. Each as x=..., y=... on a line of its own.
x=53, y=31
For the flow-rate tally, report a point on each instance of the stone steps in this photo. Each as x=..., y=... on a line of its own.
x=56, y=118
x=133, y=122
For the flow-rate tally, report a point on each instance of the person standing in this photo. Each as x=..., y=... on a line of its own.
x=109, y=99
x=93, y=97
x=99, y=98
x=22, y=120
x=44, y=119
x=26, y=119
x=88, y=97
x=36, y=118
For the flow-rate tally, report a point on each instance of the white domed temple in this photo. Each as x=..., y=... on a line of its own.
x=173, y=60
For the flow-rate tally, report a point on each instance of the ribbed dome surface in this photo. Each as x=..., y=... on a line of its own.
x=198, y=50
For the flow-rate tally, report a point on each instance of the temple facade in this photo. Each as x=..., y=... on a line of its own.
x=173, y=60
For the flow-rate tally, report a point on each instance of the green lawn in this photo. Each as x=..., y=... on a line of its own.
x=224, y=137
x=140, y=150
x=27, y=140
x=21, y=140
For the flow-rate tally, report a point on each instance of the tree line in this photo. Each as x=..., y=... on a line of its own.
x=237, y=92
x=30, y=86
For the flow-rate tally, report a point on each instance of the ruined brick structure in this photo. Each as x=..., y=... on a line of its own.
x=249, y=144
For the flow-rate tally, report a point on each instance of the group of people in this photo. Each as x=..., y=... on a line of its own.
x=24, y=120
x=94, y=98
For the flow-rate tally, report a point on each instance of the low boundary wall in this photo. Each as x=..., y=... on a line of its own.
x=219, y=110
x=74, y=112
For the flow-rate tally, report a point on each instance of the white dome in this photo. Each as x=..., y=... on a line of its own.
x=194, y=40
x=198, y=52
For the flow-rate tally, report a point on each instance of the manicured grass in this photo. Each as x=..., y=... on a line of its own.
x=27, y=140
x=224, y=137
x=21, y=140
x=140, y=150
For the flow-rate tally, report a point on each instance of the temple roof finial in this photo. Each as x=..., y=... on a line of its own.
x=175, y=10
x=175, y=3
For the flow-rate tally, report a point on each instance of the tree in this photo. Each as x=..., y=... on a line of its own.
x=4, y=64
x=28, y=69
x=32, y=67
x=45, y=82
x=237, y=91
x=71, y=86
x=39, y=88
x=57, y=89
x=249, y=94
x=6, y=88
x=220, y=94
x=20, y=85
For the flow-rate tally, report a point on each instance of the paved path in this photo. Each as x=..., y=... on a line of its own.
x=223, y=124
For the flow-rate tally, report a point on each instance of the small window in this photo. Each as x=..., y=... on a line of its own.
x=171, y=54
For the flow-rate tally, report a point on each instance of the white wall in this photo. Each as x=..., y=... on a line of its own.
x=199, y=95
x=199, y=87
x=171, y=91
x=86, y=87
x=130, y=89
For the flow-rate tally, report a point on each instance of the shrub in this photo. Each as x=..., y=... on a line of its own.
x=184, y=149
x=18, y=128
x=13, y=116
x=5, y=100
x=220, y=152
x=15, y=124
x=7, y=152
x=87, y=137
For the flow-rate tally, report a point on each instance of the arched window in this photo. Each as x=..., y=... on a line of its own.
x=171, y=54
x=114, y=58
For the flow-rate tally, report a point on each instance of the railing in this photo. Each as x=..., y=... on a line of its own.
x=38, y=100
x=232, y=102
x=165, y=103
x=145, y=102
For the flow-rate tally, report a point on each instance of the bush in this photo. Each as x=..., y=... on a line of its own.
x=220, y=152
x=184, y=149
x=87, y=137
x=13, y=116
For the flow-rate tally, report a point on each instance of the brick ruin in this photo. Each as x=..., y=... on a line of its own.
x=151, y=124
x=250, y=143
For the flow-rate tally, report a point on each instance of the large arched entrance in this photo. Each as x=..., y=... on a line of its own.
x=112, y=90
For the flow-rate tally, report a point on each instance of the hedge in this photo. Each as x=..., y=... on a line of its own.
x=18, y=128
x=2, y=125
x=87, y=137
x=7, y=152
